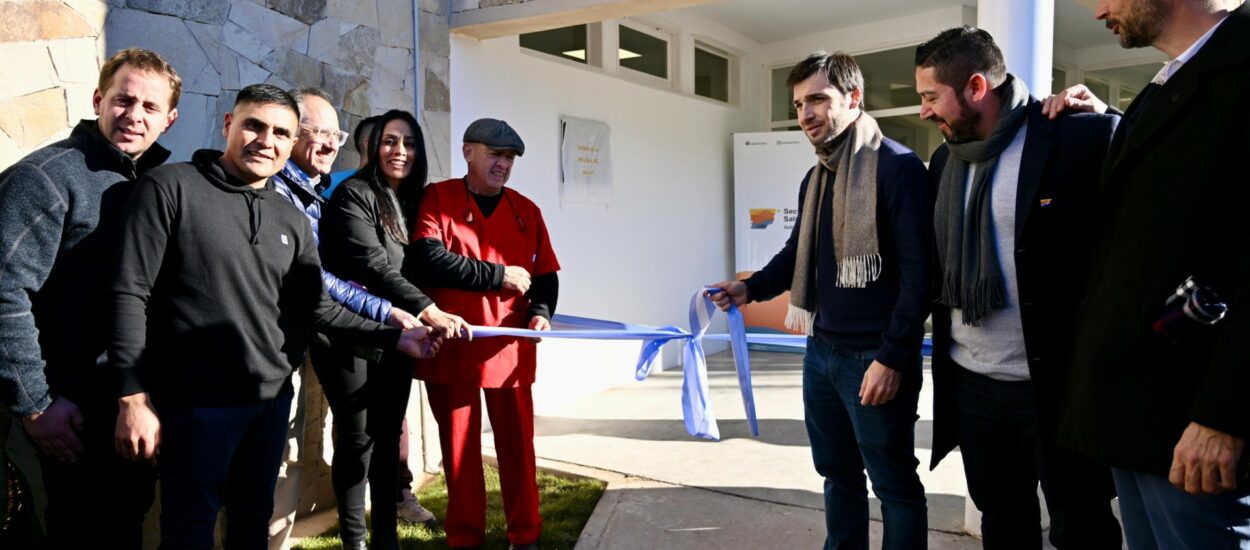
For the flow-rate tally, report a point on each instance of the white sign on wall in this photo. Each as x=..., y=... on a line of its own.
x=585, y=162
x=768, y=170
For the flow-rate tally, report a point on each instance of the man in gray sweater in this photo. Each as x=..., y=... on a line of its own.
x=57, y=209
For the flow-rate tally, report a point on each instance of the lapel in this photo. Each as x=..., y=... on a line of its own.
x=1157, y=113
x=1038, y=141
x=1226, y=46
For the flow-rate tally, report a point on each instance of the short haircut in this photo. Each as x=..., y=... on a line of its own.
x=839, y=68
x=266, y=94
x=958, y=53
x=362, y=132
x=298, y=94
x=143, y=60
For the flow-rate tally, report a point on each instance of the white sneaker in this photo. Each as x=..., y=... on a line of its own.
x=412, y=511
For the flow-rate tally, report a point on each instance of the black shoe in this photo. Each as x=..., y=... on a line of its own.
x=384, y=543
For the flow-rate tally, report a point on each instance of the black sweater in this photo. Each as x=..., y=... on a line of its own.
x=888, y=315
x=356, y=246
x=218, y=289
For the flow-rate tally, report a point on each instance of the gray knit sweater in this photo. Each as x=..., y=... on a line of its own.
x=58, y=208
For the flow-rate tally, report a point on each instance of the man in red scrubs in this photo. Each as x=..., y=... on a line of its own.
x=482, y=252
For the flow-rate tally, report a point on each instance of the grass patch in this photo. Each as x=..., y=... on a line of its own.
x=565, y=505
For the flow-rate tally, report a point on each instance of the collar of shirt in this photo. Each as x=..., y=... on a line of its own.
x=1172, y=65
x=292, y=173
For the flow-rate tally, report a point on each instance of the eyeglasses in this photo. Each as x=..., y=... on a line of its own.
x=337, y=137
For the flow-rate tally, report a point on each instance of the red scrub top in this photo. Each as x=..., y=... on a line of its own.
x=514, y=234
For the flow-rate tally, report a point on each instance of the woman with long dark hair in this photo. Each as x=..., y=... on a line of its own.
x=364, y=231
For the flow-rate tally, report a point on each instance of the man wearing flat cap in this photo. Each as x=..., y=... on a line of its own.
x=482, y=251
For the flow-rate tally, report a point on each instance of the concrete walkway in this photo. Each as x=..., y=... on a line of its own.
x=667, y=489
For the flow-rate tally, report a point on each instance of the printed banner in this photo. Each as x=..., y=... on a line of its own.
x=768, y=170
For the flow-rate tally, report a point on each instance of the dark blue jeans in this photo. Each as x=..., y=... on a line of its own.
x=215, y=456
x=847, y=437
x=1157, y=515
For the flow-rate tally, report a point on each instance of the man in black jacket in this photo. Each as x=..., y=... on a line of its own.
x=1166, y=405
x=1015, y=204
x=864, y=235
x=218, y=291
x=57, y=210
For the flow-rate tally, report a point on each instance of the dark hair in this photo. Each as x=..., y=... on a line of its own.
x=267, y=94
x=362, y=131
x=839, y=68
x=143, y=60
x=410, y=190
x=298, y=94
x=958, y=53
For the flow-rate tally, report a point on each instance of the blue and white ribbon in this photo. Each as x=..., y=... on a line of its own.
x=695, y=395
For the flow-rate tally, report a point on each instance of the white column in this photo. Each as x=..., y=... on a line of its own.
x=1025, y=31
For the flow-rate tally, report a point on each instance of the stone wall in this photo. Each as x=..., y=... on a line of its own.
x=435, y=86
x=361, y=51
x=51, y=53
x=466, y=5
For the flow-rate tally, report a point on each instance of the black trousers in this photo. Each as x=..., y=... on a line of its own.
x=1005, y=456
x=102, y=496
x=368, y=400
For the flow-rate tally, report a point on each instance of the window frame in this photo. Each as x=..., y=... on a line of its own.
x=594, y=57
x=731, y=70
x=654, y=31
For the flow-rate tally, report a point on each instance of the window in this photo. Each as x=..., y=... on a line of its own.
x=1120, y=85
x=643, y=52
x=711, y=73
x=783, y=99
x=566, y=43
x=1058, y=80
x=918, y=135
x=889, y=83
x=889, y=79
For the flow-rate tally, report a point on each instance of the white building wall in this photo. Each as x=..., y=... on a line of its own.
x=870, y=37
x=667, y=230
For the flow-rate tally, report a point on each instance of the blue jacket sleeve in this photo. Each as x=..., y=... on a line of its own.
x=355, y=299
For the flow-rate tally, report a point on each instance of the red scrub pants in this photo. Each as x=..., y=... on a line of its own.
x=458, y=410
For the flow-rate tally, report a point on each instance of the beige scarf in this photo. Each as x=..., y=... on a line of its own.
x=853, y=162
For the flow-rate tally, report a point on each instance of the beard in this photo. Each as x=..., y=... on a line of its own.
x=963, y=128
x=1142, y=23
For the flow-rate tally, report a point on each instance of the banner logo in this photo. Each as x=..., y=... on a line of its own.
x=761, y=218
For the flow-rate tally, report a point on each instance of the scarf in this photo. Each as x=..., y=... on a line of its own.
x=972, y=279
x=851, y=159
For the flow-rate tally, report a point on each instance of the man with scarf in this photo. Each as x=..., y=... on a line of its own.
x=855, y=265
x=1015, y=205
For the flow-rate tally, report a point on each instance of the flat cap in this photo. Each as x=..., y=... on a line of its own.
x=494, y=133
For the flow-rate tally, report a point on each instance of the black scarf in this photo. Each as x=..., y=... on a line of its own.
x=972, y=279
